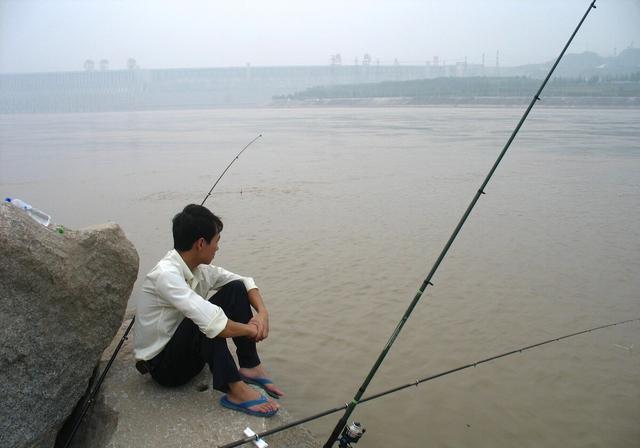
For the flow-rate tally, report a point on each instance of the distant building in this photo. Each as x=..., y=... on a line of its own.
x=140, y=89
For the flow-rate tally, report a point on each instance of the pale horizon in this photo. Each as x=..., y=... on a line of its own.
x=59, y=36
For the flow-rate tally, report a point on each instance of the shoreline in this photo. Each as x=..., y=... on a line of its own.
x=586, y=103
x=556, y=102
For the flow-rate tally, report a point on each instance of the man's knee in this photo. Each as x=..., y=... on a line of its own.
x=236, y=287
x=232, y=292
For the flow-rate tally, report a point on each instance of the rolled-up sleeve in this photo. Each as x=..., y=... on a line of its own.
x=221, y=277
x=208, y=317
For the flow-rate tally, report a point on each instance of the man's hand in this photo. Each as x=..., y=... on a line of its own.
x=254, y=329
x=261, y=321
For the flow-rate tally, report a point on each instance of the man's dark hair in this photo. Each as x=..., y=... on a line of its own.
x=191, y=224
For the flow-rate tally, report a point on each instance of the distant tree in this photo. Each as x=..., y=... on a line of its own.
x=89, y=65
x=104, y=65
x=518, y=86
x=366, y=59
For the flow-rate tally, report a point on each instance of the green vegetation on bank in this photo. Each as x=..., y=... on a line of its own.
x=610, y=86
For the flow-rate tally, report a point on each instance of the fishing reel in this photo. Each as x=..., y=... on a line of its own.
x=351, y=434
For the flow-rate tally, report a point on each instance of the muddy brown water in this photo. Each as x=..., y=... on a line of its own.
x=339, y=214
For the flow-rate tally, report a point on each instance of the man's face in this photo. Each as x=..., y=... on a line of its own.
x=210, y=249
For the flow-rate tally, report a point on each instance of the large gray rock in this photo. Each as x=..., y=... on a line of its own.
x=62, y=299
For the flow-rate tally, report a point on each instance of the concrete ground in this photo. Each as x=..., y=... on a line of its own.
x=133, y=411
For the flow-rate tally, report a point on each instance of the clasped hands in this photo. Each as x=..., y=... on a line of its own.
x=261, y=322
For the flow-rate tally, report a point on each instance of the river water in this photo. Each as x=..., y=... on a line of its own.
x=340, y=213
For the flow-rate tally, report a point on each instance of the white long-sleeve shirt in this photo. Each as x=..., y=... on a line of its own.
x=171, y=292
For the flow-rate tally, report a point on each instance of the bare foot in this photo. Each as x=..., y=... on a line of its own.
x=240, y=392
x=260, y=372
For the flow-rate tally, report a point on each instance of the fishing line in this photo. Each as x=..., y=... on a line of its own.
x=427, y=281
x=420, y=381
x=125, y=336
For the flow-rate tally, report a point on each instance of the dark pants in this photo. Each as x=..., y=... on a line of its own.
x=189, y=349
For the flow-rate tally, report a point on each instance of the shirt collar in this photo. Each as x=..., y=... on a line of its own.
x=192, y=278
x=184, y=269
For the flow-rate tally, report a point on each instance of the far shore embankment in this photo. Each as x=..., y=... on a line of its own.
x=463, y=101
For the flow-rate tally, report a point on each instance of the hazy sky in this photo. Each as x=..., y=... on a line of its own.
x=59, y=35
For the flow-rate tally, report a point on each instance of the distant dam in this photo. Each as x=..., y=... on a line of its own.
x=142, y=89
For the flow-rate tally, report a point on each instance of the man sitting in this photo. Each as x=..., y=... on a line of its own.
x=178, y=330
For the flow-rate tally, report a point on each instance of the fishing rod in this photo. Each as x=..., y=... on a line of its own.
x=427, y=281
x=125, y=336
x=420, y=381
x=229, y=166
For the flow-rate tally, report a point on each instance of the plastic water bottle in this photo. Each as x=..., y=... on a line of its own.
x=36, y=214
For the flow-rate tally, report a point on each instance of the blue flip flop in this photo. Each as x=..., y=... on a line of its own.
x=261, y=383
x=245, y=405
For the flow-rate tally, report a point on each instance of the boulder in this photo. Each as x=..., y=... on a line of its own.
x=62, y=299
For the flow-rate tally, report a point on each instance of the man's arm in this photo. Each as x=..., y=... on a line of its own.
x=171, y=287
x=261, y=320
x=219, y=277
x=234, y=329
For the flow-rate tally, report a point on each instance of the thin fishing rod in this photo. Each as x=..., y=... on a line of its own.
x=229, y=166
x=354, y=402
x=420, y=381
x=87, y=404
x=125, y=336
